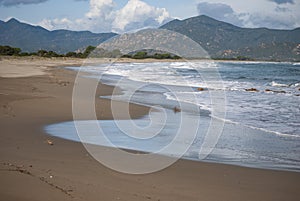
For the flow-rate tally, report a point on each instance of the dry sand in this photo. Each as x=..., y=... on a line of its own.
x=30, y=169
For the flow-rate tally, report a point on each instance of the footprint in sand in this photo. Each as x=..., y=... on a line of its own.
x=7, y=110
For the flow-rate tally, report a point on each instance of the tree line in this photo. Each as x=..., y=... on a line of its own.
x=145, y=55
x=13, y=51
x=90, y=51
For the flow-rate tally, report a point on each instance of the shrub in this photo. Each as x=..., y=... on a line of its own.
x=9, y=51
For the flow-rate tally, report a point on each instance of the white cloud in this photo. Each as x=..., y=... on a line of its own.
x=278, y=14
x=219, y=11
x=102, y=17
x=100, y=8
x=63, y=23
x=137, y=14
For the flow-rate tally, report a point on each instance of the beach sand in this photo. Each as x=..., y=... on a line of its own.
x=31, y=169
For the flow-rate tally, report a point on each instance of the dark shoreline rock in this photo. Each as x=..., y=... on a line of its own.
x=252, y=90
x=176, y=109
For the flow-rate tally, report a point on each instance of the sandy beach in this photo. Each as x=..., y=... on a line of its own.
x=35, y=92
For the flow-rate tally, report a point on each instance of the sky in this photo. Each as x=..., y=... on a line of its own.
x=128, y=15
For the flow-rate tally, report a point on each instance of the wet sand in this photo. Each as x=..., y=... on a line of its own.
x=31, y=169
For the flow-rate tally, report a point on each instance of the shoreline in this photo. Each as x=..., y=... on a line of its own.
x=69, y=61
x=65, y=171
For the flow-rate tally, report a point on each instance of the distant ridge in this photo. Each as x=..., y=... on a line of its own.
x=33, y=38
x=224, y=40
x=221, y=40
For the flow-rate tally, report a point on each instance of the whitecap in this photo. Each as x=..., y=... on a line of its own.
x=275, y=84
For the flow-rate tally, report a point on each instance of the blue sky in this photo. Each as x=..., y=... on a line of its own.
x=127, y=15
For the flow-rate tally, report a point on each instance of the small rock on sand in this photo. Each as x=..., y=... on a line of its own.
x=49, y=142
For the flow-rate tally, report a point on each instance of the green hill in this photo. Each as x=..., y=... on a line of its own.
x=223, y=40
x=33, y=38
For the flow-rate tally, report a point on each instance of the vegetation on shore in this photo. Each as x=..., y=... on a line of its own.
x=94, y=52
x=145, y=55
x=90, y=51
x=13, y=51
x=238, y=58
x=10, y=51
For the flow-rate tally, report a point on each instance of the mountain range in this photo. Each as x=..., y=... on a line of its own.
x=33, y=38
x=219, y=39
x=223, y=40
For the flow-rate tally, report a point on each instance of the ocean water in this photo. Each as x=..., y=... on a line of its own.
x=255, y=128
